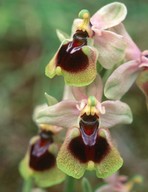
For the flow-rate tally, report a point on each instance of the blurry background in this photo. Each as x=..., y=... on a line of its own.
x=27, y=42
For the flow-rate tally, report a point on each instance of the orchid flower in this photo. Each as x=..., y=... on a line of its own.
x=117, y=183
x=87, y=145
x=40, y=160
x=76, y=57
x=126, y=74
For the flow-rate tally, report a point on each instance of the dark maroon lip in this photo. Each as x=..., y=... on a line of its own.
x=40, y=159
x=70, y=57
x=85, y=153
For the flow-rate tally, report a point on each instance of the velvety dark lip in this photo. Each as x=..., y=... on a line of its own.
x=72, y=59
x=89, y=140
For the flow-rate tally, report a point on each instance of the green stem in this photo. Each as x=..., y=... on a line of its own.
x=27, y=186
x=86, y=185
x=69, y=184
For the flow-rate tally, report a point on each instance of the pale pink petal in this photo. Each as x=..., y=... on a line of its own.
x=116, y=112
x=132, y=51
x=121, y=80
x=144, y=59
x=105, y=188
x=94, y=89
x=112, y=179
x=75, y=25
x=142, y=83
x=68, y=93
x=111, y=48
x=108, y=16
x=63, y=114
x=145, y=53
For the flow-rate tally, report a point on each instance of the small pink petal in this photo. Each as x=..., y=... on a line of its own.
x=68, y=93
x=112, y=179
x=111, y=48
x=75, y=25
x=132, y=51
x=144, y=59
x=121, y=80
x=105, y=188
x=142, y=83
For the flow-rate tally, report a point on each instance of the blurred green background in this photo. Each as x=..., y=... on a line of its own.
x=27, y=42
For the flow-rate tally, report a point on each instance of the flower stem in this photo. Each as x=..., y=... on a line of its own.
x=69, y=184
x=27, y=186
x=86, y=185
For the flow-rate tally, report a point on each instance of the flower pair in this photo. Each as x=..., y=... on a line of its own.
x=91, y=40
x=87, y=145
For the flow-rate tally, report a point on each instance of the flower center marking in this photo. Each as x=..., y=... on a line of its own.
x=89, y=129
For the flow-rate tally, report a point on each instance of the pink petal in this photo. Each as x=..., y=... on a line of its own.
x=121, y=80
x=63, y=114
x=68, y=93
x=111, y=48
x=145, y=58
x=105, y=188
x=142, y=83
x=116, y=112
x=109, y=15
x=112, y=179
x=95, y=89
x=132, y=51
x=75, y=25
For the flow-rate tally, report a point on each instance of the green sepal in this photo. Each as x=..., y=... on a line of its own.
x=62, y=35
x=50, y=100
